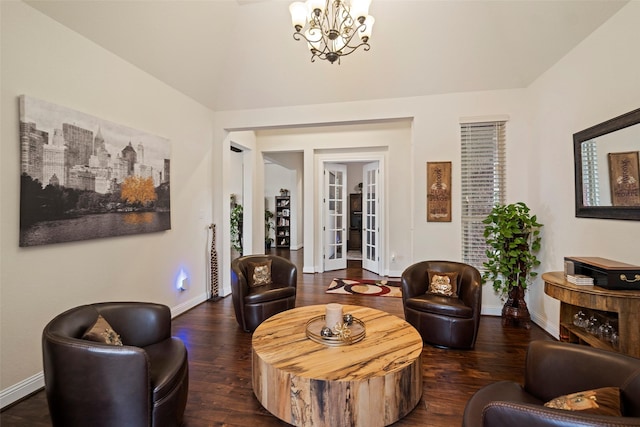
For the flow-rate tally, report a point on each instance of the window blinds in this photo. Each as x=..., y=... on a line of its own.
x=483, y=182
x=590, y=181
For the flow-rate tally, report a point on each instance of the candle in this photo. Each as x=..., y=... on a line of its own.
x=333, y=315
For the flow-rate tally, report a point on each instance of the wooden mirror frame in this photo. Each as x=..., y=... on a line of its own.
x=606, y=212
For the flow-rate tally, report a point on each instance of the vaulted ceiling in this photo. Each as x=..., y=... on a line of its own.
x=240, y=54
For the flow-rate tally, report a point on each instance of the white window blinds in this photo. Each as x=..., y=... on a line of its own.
x=483, y=183
x=590, y=181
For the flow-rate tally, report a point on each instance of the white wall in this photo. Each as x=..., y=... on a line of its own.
x=45, y=60
x=236, y=177
x=597, y=81
x=354, y=176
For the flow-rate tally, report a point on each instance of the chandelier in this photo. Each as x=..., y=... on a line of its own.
x=330, y=26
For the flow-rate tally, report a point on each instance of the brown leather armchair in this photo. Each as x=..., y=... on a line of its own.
x=254, y=304
x=442, y=320
x=554, y=369
x=144, y=382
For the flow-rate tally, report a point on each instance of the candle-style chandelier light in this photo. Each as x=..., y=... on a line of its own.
x=330, y=26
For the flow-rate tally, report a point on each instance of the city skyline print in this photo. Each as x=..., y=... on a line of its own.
x=82, y=177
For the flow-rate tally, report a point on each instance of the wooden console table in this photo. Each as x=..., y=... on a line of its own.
x=620, y=306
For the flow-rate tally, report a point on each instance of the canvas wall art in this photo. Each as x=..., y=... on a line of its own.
x=438, y=191
x=83, y=177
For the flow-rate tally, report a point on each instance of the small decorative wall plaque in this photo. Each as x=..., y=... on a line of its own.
x=439, y=191
x=624, y=178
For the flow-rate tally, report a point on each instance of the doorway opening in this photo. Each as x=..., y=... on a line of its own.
x=351, y=215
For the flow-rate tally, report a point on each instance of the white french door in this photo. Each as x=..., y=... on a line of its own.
x=370, y=217
x=335, y=218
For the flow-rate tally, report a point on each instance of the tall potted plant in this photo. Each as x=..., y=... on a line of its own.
x=513, y=236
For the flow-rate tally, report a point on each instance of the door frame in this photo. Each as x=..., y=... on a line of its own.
x=346, y=156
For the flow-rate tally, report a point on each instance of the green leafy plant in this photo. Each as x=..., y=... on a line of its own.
x=268, y=225
x=236, y=228
x=513, y=236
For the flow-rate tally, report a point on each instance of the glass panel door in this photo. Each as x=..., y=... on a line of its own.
x=371, y=228
x=335, y=205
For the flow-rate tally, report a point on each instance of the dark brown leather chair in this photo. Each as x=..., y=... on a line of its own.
x=144, y=382
x=442, y=320
x=255, y=304
x=554, y=369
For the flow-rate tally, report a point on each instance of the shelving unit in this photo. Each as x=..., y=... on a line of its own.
x=574, y=334
x=283, y=221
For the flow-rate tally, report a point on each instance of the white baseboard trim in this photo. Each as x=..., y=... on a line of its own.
x=543, y=322
x=22, y=389
x=492, y=310
x=188, y=305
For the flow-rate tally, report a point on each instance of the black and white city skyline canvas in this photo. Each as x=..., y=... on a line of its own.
x=83, y=177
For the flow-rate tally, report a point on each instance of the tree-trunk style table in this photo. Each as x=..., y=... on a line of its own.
x=373, y=382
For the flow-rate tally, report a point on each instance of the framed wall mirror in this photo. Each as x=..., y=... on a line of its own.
x=607, y=169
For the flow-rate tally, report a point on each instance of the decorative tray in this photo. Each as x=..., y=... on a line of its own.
x=355, y=332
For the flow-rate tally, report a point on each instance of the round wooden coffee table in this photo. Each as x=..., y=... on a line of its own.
x=373, y=382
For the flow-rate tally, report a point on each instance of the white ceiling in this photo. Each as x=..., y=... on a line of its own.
x=240, y=54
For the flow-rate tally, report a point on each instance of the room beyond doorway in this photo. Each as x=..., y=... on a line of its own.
x=354, y=255
x=310, y=216
x=354, y=266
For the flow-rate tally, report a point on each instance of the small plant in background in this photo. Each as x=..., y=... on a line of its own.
x=236, y=228
x=268, y=225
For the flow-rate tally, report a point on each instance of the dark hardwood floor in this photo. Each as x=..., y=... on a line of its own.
x=220, y=392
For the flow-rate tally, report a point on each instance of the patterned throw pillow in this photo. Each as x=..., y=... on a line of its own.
x=101, y=331
x=259, y=273
x=601, y=401
x=443, y=284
